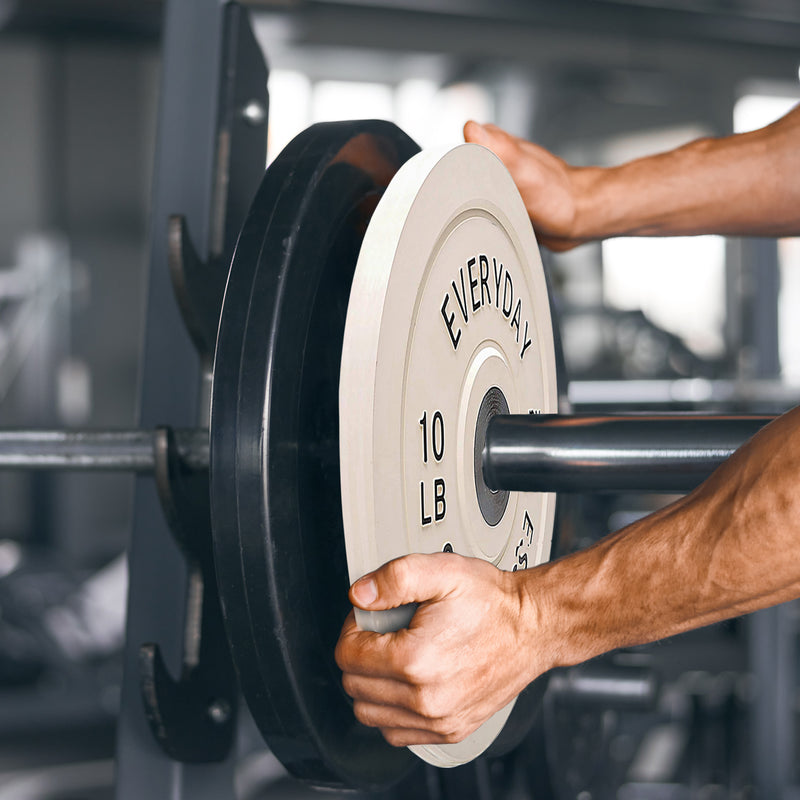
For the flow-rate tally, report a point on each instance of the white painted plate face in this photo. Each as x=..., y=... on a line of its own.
x=449, y=301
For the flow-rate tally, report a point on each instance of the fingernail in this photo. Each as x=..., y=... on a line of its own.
x=365, y=591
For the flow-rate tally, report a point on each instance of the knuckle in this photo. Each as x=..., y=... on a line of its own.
x=428, y=704
x=462, y=729
x=449, y=563
x=347, y=659
x=363, y=714
x=456, y=731
x=415, y=669
x=422, y=702
x=349, y=684
x=340, y=654
x=453, y=737
x=394, y=737
x=424, y=668
x=439, y=674
x=398, y=573
x=444, y=727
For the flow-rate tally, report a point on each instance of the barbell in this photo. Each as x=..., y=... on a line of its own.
x=385, y=381
x=523, y=453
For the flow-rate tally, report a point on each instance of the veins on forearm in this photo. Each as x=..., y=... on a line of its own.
x=730, y=547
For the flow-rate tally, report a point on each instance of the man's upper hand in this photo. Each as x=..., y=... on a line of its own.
x=550, y=188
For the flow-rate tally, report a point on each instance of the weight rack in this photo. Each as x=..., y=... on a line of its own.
x=209, y=159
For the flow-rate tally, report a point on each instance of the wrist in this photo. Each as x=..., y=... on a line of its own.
x=589, y=187
x=545, y=628
x=562, y=606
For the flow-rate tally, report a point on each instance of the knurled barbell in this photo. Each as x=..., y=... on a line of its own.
x=385, y=381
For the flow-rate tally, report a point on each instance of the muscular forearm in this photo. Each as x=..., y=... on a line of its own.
x=730, y=547
x=741, y=185
x=745, y=184
x=480, y=635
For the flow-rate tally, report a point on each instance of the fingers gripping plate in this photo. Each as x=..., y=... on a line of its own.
x=448, y=323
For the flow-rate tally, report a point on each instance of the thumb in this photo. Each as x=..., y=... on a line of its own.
x=414, y=578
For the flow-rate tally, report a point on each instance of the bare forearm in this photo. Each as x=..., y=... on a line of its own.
x=745, y=184
x=730, y=547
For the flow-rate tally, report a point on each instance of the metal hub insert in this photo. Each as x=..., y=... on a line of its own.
x=491, y=502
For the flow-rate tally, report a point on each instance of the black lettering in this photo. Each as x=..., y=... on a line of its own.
x=426, y=520
x=522, y=558
x=440, y=506
x=448, y=322
x=515, y=320
x=461, y=298
x=498, y=277
x=473, y=284
x=508, y=294
x=484, y=269
x=526, y=343
x=437, y=431
x=527, y=527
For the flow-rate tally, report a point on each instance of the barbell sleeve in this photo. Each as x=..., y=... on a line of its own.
x=102, y=450
x=588, y=453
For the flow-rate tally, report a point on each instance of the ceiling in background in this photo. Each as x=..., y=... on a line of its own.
x=762, y=22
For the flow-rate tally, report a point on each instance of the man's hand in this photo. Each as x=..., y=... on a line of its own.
x=744, y=185
x=464, y=656
x=548, y=185
x=481, y=635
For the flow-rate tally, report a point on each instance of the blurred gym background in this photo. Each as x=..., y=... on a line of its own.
x=698, y=323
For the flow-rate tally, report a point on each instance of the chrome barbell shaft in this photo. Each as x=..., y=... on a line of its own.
x=106, y=450
x=534, y=453
x=583, y=453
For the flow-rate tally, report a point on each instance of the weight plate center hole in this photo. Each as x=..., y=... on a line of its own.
x=491, y=502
